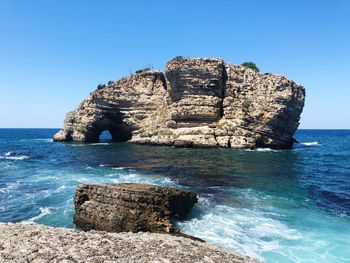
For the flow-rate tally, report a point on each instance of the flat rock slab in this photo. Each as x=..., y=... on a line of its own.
x=37, y=243
x=130, y=207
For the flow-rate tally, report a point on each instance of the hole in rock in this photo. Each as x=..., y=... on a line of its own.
x=119, y=133
x=105, y=136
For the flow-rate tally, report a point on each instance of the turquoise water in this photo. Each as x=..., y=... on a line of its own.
x=279, y=206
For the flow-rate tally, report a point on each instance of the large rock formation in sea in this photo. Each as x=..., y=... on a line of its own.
x=199, y=102
x=130, y=207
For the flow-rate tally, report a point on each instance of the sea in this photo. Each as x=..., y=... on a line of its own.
x=274, y=205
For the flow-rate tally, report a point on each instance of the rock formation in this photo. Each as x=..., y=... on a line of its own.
x=130, y=207
x=200, y=102
x=20, y=243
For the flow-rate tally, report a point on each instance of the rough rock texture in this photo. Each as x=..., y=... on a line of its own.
x=130, y=207
x=119, y=108
x=22, y=243
x=200, y=102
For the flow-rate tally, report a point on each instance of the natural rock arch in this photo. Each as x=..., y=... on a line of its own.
x=199, y=102
x=119, y=108
x=118, y=133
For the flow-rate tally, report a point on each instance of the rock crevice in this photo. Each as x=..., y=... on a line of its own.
x=199, y=102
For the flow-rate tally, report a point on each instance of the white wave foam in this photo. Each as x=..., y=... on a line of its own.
x=119, y=168
x=115, y=168
x=247, y=231
x=13, y=156
x=129, y=176
x=43, y=212
x=44, y=139
x=9, y=187
x=261, y=150
x=310, y=143
x=305, y=145
x=265, y=150
x=99, y=143
x=61, y=188
x=68, y=207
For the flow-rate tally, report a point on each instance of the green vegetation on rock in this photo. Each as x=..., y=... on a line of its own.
x=250, y=65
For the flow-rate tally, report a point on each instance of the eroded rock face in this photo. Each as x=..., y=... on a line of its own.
x=119, y=108
x=130, y=207
x=200, y=102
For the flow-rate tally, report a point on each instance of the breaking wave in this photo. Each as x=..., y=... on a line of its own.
x=261, y=150
x=14, y=156
x=243, y=230
x=305, y=145
x=43, y=212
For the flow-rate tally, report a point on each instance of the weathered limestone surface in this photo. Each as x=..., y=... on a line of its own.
x=22, y=243
x=118, y=107
x=130, y=207
x=199, y=102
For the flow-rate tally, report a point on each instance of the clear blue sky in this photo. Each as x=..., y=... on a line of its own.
x=54, y=53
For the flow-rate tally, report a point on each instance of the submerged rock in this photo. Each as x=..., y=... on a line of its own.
x=36, y=243
x=130, y=207
x=198, y=102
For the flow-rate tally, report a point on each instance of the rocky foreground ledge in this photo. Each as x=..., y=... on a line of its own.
x=38, y=243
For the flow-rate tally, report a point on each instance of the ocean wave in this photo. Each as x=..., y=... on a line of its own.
x=121, y=168
x=115, y=167
x=14, y=156
x=44, y=139
x=295, y=146
x=9, y=187
x=43, y=212
x=78, y=145
x=261, y=150
x=305, y=145
x=89, y=144
x=265, y=150
x=128, y=176
x=61, y=188
x=37, y=139
x=247, y=231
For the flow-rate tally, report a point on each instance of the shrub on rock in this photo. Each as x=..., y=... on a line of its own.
x=251, y=65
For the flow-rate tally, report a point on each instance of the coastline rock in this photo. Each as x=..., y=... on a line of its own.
x=37, y=243
x=118, y=107
x=130, y=207
x=198, y=102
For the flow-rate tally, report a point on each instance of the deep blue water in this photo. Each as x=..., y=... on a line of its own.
x=280, y=206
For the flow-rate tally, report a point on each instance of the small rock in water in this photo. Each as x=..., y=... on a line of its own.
x=130, y=207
